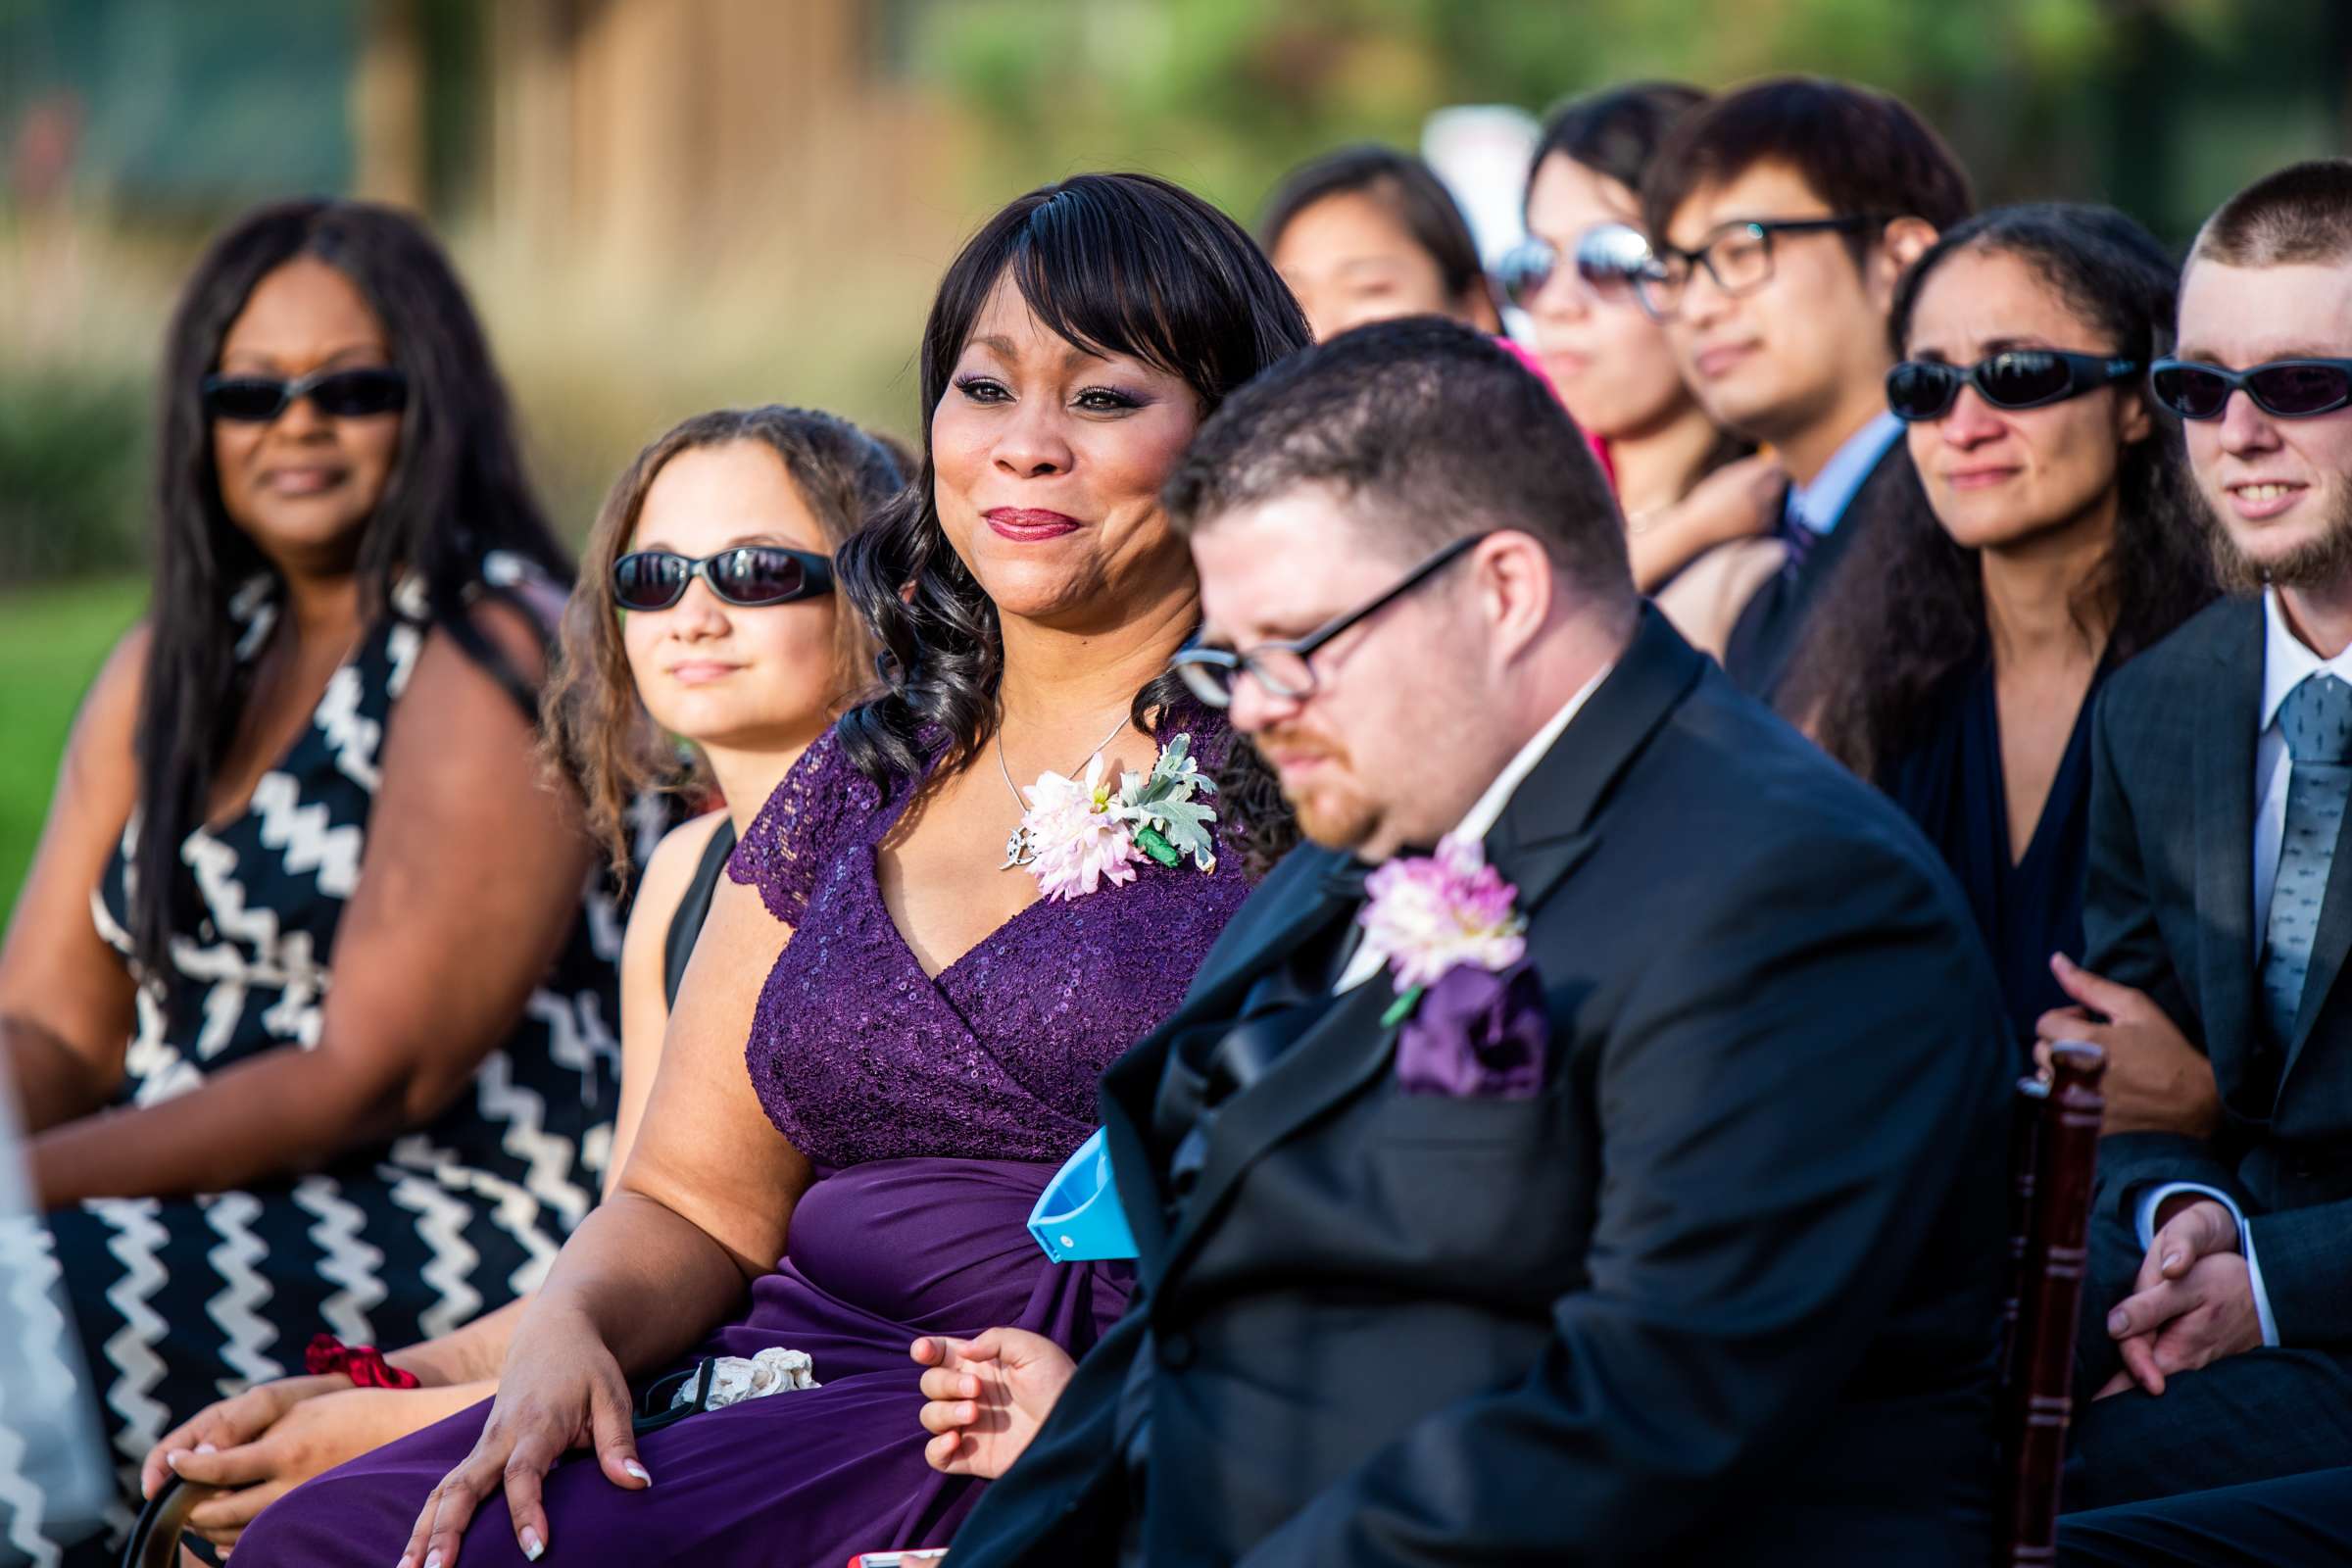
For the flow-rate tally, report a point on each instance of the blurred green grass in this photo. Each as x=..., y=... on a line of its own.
x=53, y=637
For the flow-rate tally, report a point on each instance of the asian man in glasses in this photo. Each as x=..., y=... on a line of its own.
x=1655, y=1214
x=2218, y=904
x=1782, y=215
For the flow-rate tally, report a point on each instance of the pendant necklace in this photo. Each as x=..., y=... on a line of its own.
x=1019, y=850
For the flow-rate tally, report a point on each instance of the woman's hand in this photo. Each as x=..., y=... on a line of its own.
x=232, y=1423
x=561, y=1390
x=1739, y=501
x=2156, y=1081
x=987, y=1397
x=312, y=1435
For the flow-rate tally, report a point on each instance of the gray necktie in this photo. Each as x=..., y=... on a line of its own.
x=2317, y=721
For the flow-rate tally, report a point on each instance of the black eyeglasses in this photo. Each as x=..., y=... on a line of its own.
x=338, y=394
x=1609, y=258
x=1285, y=669
x=1737, y=256
x=748, y=575
x=2284, y=389
x=1918, y=390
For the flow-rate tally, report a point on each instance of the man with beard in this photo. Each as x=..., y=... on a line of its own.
x=1616, y=1174
x=2219, y=904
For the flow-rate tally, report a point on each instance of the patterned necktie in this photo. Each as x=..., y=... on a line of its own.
x=2316, y=721
x=1798, y=534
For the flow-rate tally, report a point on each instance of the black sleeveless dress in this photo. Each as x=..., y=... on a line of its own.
x=179, y=1303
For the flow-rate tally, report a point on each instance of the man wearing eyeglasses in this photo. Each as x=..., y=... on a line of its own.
x=1622, y=1181
x=1782, y=215
x=2218, y=906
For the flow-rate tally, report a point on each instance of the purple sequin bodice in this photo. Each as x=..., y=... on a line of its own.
x=859, y=1055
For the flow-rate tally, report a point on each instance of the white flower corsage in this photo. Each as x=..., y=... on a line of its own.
x=1082, y=833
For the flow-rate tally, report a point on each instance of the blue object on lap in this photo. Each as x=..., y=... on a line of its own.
x=1077, y=1219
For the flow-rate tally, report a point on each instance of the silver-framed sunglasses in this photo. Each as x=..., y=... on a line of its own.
x=1609, y=258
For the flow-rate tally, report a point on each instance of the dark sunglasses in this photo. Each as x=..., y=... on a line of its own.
x=2284, y=389
x=337, y=394
x=1285, y=670
x=2020, y=378
x=748, y=575
x=1609, y=258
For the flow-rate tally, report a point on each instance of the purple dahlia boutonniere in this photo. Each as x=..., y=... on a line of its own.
x=1471, y=1008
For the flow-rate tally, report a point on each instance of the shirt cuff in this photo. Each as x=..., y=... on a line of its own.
x=2145, y=1224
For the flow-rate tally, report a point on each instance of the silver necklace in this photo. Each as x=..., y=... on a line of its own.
x=1020, y=849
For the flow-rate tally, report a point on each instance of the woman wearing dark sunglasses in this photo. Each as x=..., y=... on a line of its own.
x=305, y=931
x=1955, y=662
x=1688, y=487
x=747, y=675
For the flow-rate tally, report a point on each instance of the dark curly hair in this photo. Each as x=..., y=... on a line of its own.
x=1905, y=611
x=1116, y=264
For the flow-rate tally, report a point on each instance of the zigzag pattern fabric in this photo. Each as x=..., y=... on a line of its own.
x=179, y=1302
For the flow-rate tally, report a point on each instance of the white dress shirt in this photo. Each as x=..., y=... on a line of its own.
x=1487, y=810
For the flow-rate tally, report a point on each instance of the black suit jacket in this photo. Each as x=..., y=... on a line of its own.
x=1765, y=639
x=2169, y=908
x=1724, y=1292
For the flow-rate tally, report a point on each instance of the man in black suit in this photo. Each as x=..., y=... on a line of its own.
x=1678, y=1239
x=2218, y=906
x=1782, y=215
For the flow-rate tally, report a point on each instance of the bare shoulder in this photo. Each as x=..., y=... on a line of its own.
x=454, y=681
x=668, y=872
x=106, y=730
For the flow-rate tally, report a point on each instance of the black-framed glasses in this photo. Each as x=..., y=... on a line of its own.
x=1737, y=254
x=1608, y=258
x=2284, y=389
x=353, y=394
x=1918, y=390
x=748, y=575
x=1286, y=669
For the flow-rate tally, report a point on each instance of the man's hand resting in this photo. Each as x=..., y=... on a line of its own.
x=985, y=1397
x=2192, y=1305
x=2156, y=1081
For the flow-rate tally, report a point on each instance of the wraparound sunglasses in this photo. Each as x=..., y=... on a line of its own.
x=2017, y=379
x=2284, y=389
x=748, y=575
x=338, y=394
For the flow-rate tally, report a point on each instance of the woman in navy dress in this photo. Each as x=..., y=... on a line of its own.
x=1955, y=662
x=310, y=1017
x=928, y=994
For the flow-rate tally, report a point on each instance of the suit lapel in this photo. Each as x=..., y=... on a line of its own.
x=2224, y=830
x=1543, y=833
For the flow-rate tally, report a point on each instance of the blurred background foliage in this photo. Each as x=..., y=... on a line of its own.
x=668, y=205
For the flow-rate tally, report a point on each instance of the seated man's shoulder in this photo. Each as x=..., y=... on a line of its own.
x=2165, y=684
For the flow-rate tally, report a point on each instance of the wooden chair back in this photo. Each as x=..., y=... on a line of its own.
x=2055, y=1153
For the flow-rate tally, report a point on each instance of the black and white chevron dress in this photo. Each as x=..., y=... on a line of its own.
x=179, y=1303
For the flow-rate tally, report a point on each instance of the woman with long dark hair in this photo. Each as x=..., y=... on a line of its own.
x=1955, y=662
x=966, y=900
x=1695, y=497
x=745, y=664
x=306, y=933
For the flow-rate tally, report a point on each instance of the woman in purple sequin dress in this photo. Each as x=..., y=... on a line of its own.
x=924, y=1047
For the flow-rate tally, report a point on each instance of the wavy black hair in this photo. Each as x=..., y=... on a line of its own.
x=1118, y=264
x=1905, y=611
x=456, y=492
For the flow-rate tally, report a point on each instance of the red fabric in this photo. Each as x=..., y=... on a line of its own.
x=1535, y=368
x=364, y=1364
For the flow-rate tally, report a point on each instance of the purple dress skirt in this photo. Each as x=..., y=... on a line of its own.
x=934, y=1108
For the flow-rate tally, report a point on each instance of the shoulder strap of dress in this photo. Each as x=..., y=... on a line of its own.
x=677, y=944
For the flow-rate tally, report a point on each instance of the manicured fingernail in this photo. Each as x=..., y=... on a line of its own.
x=2116, y=1321
x=2172, y=1260
x=206, y=1448
x=631, y=1466
x=432, y=1559
x=532, y=1547
x=174, y=1456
